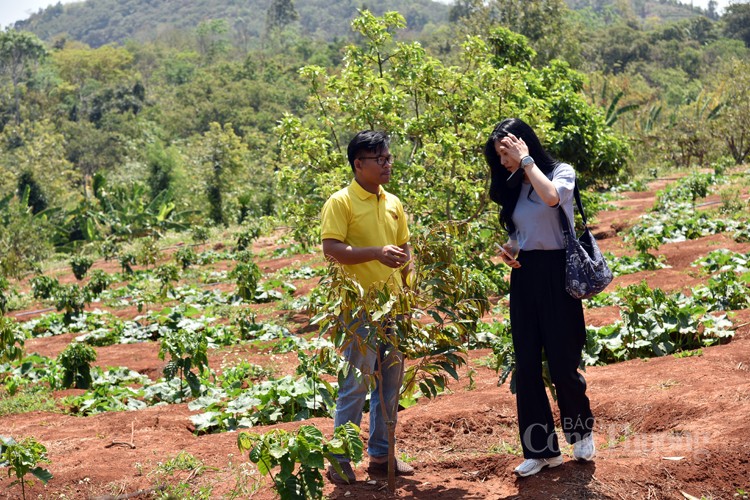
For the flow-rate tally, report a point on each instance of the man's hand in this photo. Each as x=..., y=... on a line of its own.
x=393, y=256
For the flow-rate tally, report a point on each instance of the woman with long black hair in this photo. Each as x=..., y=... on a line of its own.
x=530, y=185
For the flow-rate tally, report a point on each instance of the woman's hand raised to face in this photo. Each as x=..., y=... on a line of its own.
x=514, y=147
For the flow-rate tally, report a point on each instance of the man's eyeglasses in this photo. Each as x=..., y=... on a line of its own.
x=380, y=160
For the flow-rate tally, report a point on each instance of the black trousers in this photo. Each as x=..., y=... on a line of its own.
x=544, y=317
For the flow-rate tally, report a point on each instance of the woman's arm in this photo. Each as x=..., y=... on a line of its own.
x=542, y=185
x=516, y=149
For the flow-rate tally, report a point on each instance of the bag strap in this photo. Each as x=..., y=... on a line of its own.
x=564, y=218
x=577, y=196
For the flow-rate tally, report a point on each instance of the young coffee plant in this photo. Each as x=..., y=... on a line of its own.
x=80, y=264
x=4, y=286
x=304, y=452
x=44, y=287
x=127, y=261
x=200, y=234
x=147, y=252
x=23, y=458
x=11, y=340
x=166, y=274
x=72, y=299
x=186, y=257
x=76, y=361
x=109, y=249
x=246, y=275
x=187, y=349
x=98, y=282
x=246, y=237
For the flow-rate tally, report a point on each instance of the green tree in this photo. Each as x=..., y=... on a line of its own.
x=212, y=38
x=618, y=46
x=439, y=117
x=24, y=237
x=36, y=198
x=733, y=125
x=19, y=50
x=163, y=164
x=736, y=20
x=280, y=14
x=543, y=23
x=224, y=155
x=37, y=147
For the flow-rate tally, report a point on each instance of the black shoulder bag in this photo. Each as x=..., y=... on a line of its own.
x=586, y=271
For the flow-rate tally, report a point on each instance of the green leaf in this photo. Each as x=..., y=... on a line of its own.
x=42, y=474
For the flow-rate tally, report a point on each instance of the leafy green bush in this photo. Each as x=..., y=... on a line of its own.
x=4, y=285
x=185, y=256
x=166, y=274
x=200, y=234
x=11, y=340
x=24, y=238
x=725, y=292
x=72, y=299
x=286, y=399
x=656, y=324
x=44, y=287
x=127, y=261
x=246, y=237
x=99, y=281
x=109, y=249
x=303, y=452
x=187, y=349
x=22, y=458
x=246, y=275
x=147, y=251
x=80, y=265
x=76, y=361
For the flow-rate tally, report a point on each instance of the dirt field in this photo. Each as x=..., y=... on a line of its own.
x=665, y=427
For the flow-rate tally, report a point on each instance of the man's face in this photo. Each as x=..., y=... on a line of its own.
x=374, y=169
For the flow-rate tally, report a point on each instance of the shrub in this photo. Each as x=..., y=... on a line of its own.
x=127, y=261
x=44, y=287
x=246, y=275
x=81, y=265
x=22, y=458
x=200, y=234
x=11, y=340
x=303, y=452
x=76, y=361
x=99, y=282
x=186, y=257
x=72, y=299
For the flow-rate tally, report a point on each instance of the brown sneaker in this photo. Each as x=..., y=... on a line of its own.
x=346, y=468
x=381, y=469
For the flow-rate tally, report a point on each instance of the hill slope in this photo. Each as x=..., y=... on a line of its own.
x=98, y=22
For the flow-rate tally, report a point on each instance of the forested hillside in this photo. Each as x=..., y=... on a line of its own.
x=98, y=22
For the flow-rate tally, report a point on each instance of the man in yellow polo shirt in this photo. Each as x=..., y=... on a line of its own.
x=364, y=229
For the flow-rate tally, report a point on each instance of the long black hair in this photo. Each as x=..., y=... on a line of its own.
x=500, y=192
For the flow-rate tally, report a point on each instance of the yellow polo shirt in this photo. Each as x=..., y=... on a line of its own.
x=362, y=219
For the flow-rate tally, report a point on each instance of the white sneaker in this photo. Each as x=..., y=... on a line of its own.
x=531, y=466
x=585, y=449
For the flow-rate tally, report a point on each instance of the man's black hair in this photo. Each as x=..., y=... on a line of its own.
x=367, y=141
